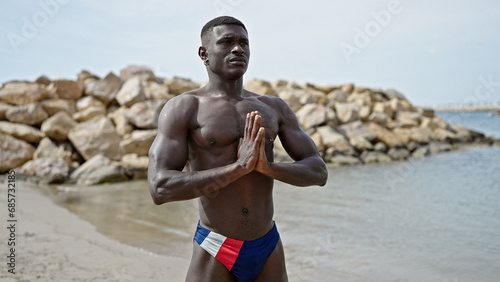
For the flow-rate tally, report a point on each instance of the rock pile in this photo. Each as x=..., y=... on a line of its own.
x=95, y=130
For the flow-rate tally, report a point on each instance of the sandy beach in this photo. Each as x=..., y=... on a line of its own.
x=53, y=244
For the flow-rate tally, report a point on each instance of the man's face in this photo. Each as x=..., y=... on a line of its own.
x=227, y=50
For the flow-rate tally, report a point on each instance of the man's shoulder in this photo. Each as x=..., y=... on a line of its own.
x=272, y=101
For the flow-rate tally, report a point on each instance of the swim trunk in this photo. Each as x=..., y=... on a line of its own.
x=244, y=259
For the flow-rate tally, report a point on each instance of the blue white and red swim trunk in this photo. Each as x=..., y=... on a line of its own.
x=244, y=259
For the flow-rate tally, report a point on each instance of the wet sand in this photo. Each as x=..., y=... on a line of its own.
x=53, y=244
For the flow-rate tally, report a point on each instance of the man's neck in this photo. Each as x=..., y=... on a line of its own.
x=222, y=87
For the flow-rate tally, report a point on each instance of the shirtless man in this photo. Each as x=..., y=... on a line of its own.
x=223, y=135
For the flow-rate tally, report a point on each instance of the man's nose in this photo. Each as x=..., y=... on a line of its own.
x=237, y=49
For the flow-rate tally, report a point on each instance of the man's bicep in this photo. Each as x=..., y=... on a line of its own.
x=169, y=149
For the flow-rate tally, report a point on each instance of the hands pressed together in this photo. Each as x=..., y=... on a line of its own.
x=251, y=148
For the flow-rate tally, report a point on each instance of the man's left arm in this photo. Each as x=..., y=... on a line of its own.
x=308, y=167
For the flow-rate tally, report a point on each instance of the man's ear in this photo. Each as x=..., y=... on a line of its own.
x=202, y=52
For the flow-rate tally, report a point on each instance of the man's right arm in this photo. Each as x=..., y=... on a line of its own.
x=169, y=154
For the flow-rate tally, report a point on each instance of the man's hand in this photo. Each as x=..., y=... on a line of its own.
x=262, y=165
x=250, y=145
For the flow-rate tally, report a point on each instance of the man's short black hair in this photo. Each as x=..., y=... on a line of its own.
x=223, y=20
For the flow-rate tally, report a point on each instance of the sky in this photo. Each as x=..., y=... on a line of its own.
x=437, y=53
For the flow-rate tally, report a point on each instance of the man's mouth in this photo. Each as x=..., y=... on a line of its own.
x=238, y=59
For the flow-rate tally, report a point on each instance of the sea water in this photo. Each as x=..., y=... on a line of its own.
x=430, y=219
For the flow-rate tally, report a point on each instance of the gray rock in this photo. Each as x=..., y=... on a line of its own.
x=384, y=135
x=47, y=169
x=89, y=113
x=47, y=149
x=260, y=87
x=13, y=152
x=98, y=169
x=139, y=142
x=105, y=89
x=380, y=147
x=142, y=72
x=131, y=92
x=347, y=112
x=357, y=128
x=340, y=160
x=421, y=152
x=21, y=131
x=311, y=115
x=58, y=126
x=3, y=109
x=295, y=98
x=22, y=93
x=360, y=143
x=96, y=136
x=87, y=102
x=53, y=106
x=144, y=114
x=334, y=140
x=337, y=96
x=66, y=89
x=119, y=118
x=178, y=85
x=135, y=166
x=398, y=153
x=375, y=157
x=437, y=147
x=31, y=114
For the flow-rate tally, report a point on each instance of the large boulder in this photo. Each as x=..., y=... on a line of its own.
x=58, y=126
x=143, y=72
x=156, y=90
x=144, y=114
x=337, y=96
x=88, y=101
x=384, y=108
x=47, y=169
x=47, y=148
x=260, y=87
x=385, y=136
x=398, y=153
x=375, y=157
x=333, y=139
x=347, y=112
x=119, y=118
x=22, y=93
x=311, y=115
x=341, y=160
x=4, y=107
x=98, y=169
x=104, y=89
x=13, y=152
x=89, y=113
x=135, y=166
x=21, y=131
x=131, y=92
x=32, y=114
x=357, y=129
x=96, y=136
x=392, y=93
x=139, y=142
x=295, y=98
x=178, y=85
x=53, y=106
x=66, y=89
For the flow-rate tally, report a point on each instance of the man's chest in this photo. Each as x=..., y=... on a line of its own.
x=220, y=123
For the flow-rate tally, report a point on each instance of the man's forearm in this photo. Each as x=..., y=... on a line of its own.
x=172, y=185
x=306, y=172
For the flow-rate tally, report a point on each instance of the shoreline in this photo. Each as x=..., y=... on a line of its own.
x=53, y=244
